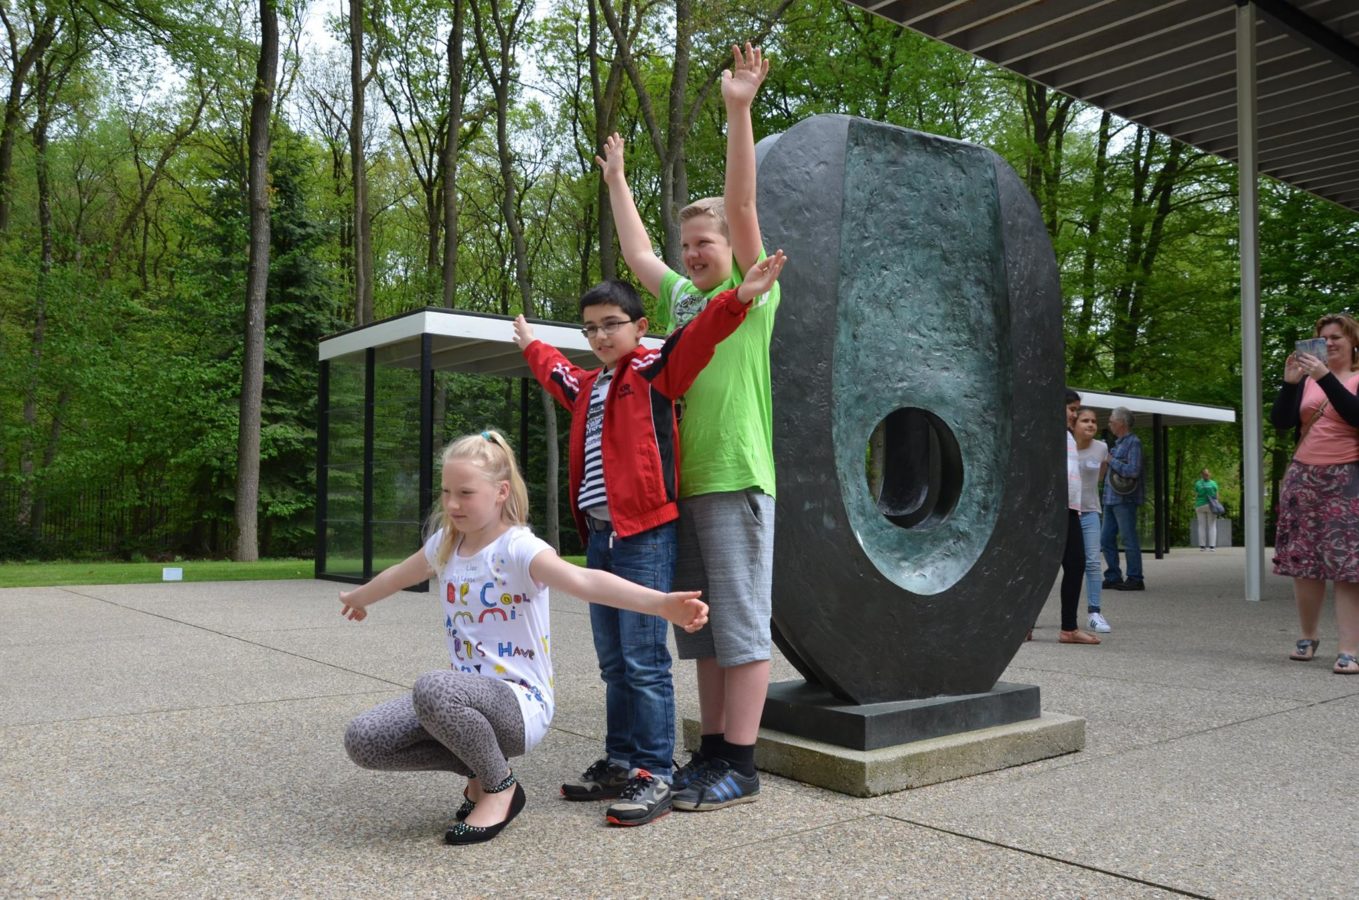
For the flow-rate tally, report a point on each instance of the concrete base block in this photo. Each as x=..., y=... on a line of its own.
x=869, y=773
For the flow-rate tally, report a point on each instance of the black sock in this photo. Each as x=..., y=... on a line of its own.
x=741, y=757
x=710, y=745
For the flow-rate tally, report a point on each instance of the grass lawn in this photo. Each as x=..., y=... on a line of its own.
x=47, y=574
x=52, y=574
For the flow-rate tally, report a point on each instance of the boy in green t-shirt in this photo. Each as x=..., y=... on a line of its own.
x=726, y=525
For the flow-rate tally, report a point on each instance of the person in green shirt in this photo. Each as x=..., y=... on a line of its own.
x=726, y=525
x=1205, y=496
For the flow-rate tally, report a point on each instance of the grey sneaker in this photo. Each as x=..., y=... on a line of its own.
x=645, y=797
x=717, y=787
x=602, y=781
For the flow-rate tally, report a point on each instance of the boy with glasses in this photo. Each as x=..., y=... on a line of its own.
x=726, y=540
x=624, y=490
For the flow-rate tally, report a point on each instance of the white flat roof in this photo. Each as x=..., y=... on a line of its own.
x=483, y=343
x=1172, y=412
x=480, y=343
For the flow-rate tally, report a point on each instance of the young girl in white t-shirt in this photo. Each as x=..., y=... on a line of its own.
x=495, y=699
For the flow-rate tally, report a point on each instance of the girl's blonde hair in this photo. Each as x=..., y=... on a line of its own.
x=1349, y=326
x=492, y=455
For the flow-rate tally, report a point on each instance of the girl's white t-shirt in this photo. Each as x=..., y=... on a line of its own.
x=1091, y=458
x=496, y=620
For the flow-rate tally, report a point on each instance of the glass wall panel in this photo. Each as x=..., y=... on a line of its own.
x=397, y=503
x=343, y=514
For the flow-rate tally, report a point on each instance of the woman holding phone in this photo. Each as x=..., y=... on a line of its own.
x=1318, y=525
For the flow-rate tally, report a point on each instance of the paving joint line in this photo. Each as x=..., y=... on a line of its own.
x=1183, y=892
x=130, y=714
x=242, y=640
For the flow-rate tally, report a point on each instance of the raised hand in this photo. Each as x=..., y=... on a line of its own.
x=761, y=277
x=523, y=332
x=1310, y=365
x=612, y=161
x=742, y=81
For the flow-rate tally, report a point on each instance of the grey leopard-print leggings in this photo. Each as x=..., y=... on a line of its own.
x=450, y=722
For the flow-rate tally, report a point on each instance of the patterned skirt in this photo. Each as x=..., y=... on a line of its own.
x=1318, y=529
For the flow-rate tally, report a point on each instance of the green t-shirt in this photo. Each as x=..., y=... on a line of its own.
x=727, y=431
x=1203, y=490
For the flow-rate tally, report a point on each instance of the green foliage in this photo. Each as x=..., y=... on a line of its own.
x=120, y=354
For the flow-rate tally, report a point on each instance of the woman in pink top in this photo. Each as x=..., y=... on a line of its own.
x=1317, y=538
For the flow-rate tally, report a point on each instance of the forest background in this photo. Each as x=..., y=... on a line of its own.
x=194, y=192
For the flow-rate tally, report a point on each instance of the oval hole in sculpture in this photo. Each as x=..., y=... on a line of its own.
x=914, y=468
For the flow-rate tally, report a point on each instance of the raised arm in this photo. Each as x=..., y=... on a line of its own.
x=691, y=347
x=558, y=376
x=740, y=84
x=632, y=237
x=682, y=608
x=412, y=570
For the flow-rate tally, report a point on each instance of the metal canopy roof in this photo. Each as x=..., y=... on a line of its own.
x=1172, y=412
x=460, y=341
x=1171, y=65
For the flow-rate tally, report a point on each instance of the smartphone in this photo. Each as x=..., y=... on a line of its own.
x=1314, y=346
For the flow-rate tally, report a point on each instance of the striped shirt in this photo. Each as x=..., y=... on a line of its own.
x=591, y=498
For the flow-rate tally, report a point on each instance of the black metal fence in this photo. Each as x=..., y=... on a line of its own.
x=102, y=523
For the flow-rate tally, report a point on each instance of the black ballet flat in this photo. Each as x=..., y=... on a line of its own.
x=462, y=833
x=468, y=804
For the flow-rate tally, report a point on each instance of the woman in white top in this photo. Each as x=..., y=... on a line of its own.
x=1092, y=456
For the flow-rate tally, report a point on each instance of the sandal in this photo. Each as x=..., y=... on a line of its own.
x=1307, y=649
x=1346, y=664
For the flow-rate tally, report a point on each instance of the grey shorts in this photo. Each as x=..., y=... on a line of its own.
x=726, y=550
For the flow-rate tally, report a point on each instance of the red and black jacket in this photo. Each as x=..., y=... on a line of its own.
x=640, y=439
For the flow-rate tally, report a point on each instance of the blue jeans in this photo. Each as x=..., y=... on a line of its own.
x=1094, y=581
x=1121, y=518
x=634, y=662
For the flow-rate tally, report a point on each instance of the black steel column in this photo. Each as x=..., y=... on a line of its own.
x=322, y=458
x=369, y=403
x=1158, y=485
x=1165, y=477
x=426, y=431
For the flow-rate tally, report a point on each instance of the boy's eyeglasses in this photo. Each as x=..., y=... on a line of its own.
x=605, y=328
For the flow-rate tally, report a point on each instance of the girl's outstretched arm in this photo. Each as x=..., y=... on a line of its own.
x=682, y=608
x=412, y=570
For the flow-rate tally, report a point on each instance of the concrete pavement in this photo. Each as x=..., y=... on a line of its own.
x=185, y=739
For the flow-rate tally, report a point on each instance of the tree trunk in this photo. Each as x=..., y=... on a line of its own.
x=21, y=64
x=669, y=142
x=1083, y=359
x=363, y=232
x=449, y=162
x=26, y=517
x=448, y=165
x=257, y=280
x=1049, y=116
x=1151, y=205
x=606, y=98
x=497, y=63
